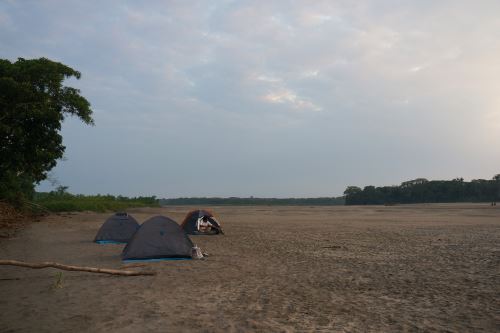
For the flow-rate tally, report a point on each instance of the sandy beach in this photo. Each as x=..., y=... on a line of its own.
x=277, y=269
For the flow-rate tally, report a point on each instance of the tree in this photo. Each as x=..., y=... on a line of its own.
x=352, y=190
x=33, y=105
x=61, y=190
x=496, y=182
x=353, y=195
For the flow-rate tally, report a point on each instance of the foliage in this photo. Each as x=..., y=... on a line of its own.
x=33, y=105
x=423, y=191
x=62, y=201
x=255, y=201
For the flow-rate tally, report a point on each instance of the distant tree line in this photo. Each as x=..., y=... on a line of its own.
x=326, y=201
x=60, y=200
x=421, y=190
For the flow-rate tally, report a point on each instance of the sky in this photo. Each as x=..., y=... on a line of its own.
x=269, y=98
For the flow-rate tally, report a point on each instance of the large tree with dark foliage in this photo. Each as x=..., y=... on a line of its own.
x=33, y=105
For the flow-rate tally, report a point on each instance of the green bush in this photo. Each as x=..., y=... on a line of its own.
x=60, y=201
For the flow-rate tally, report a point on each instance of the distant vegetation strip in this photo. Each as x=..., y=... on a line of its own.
x=327, y=201
x=422, y=190
x=414, y=191
x=66, y=202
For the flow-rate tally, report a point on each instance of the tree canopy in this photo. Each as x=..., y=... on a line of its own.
x=422, y=190
x=33, y=105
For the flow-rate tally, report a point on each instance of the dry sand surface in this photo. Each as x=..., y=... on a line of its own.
x=277, y=269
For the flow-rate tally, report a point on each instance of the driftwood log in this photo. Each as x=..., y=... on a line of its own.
x=48, y=264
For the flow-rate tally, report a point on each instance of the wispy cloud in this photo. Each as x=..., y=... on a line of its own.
x=290, y=98
x=244, y=80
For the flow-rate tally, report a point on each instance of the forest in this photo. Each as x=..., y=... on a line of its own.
x=421, y=190
x=326, y=201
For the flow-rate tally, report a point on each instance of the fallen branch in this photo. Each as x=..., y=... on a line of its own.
x=132, y=266
x=74, y=268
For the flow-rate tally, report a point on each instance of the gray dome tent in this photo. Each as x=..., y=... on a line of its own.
x=158, y=238
x=118, y=228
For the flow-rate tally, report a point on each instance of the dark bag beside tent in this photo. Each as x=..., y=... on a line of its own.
x=158, y=238
x=201, y=222
x=119, y=228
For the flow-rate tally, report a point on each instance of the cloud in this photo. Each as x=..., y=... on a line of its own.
x=290, y=98
x=269, y=79
x=241, y=79
x=314, y=19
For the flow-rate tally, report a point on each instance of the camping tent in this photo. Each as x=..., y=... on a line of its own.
x=118, y=228
x=201, y=222
x=158, y=238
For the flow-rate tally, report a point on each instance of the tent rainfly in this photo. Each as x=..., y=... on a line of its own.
x=159, y=238
x=118, y=228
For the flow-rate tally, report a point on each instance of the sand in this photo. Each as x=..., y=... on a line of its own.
x=277, y=269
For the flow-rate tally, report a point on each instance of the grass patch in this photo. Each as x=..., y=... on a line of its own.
x=67, y=202
x=59, y=279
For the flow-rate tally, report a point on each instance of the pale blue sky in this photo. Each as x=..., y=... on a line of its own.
x=269, y=98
